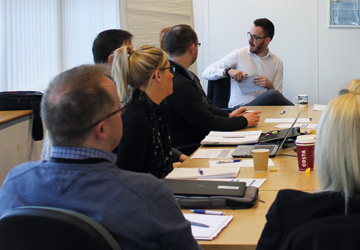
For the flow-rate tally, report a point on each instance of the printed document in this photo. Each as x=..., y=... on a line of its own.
x=231, y=138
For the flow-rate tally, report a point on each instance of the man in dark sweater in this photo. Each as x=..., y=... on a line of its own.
x=190, y=113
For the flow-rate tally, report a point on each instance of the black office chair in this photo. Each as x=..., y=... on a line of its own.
x=219, y=92
x=45, y=228
x=337, y=232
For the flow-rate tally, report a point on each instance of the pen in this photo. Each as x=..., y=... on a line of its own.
x=252, y=182
x=282, y=112
x=200, y=171
x=232, y=161
x=197, y=224
x=199, y=211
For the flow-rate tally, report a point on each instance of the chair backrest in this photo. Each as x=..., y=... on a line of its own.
x=337, y=232
x=45, y=228
x=219, y=91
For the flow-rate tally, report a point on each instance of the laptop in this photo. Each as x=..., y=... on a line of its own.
x=245, y=150
x=210, y=188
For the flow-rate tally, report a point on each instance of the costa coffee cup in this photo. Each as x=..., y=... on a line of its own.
x=301, y=100
x=305, y=145
x=261, y=159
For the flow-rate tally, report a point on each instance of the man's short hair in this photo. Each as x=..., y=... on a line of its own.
x=267, y=25
x=178, y=39
x=73, y=102
x=108, y=41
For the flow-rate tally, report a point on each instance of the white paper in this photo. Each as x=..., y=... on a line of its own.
x=231, y=138
x=242, y=163
x=213, y=153
x=249, y=181
x=277, y=120
x=215, y=222
x=301, y=125
x=319, y=107
x=247, y=85
x=203, y=173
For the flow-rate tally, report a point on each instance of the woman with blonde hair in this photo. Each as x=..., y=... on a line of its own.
x=337, y=159
x=144, y=78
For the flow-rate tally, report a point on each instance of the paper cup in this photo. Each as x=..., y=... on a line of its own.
x=305, y=145
x=261, y=159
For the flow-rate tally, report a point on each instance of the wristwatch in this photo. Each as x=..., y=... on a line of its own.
x=227, y=71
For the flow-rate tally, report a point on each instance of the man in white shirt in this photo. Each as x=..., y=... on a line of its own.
x=255, y=61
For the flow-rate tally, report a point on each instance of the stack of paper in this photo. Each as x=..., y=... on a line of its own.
x=231, y=138
x=247, y=85
x=215, y=222
x=203, y=173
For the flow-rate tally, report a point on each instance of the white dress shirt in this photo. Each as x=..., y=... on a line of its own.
x=242, y=59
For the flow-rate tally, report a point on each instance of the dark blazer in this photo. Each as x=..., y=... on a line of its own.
x=190, y=113
x=292, y=209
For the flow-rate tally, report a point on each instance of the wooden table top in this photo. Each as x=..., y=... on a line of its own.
x=6, y=116
x=245, y=229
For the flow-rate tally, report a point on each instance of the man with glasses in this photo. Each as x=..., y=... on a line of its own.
x=257, y=62
x=190, y=113
x=81, y=110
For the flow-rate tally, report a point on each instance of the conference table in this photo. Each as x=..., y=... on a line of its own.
x=244, y=231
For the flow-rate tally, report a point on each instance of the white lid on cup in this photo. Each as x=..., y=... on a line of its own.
x=260, y=150
x=307, y=139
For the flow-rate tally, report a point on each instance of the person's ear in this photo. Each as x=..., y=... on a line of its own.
x=192, y=48
x=100, y=130
x=110, y=59
x=157, y=75
x=267, y=40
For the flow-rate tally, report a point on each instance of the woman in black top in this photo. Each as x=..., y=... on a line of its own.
x=337, y=158
x=144, y=79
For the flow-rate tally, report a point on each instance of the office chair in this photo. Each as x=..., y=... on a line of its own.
x=219, y=92
x=337, y=232
x=46, y=228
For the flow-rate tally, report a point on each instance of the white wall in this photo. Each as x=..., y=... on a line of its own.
x=317, y=60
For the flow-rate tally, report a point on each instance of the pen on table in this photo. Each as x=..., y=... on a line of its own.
x=197, y=224
x=231, y=161
x=282, y=112
x=252, y=182
x=199, y=211
x=200, y=171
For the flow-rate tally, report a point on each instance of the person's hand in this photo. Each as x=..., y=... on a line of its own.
x=237, y=75
x=176, y=164
x=183, y=158
x=238, y=112
x=253, y=118
x=262, y=81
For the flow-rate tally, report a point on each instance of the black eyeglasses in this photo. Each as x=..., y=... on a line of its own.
x=255, y=38
x=196, y=44
x=120, y=109
x=171, y=69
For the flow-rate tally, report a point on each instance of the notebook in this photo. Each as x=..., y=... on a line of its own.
x=203, y=173
x=214, y=223
x=245, y=150
x=231, y=138
x=211, y=188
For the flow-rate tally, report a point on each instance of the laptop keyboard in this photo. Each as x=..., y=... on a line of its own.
x=271, y=148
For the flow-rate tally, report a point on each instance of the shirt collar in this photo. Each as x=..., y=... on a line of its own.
x=269, y=54
x=188, y=72
x=80, y=153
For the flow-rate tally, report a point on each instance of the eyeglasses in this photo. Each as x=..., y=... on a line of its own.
x=120, y=109
x=196, y=44
x=255, y=38
x=171, y=69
